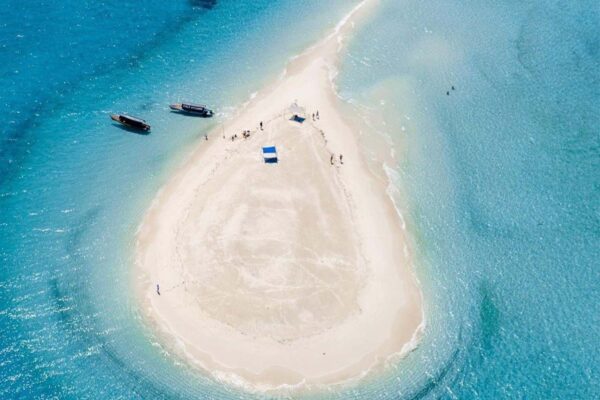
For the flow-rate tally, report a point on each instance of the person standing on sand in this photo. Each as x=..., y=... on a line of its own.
x=158, y=289
x=313, y=116
x=261, y=126
x=317, y=114
x=341, y=158
x=331, y=159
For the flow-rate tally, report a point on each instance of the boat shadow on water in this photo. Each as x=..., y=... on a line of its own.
x=186, y=114
x=203, y=4
x=131, y=130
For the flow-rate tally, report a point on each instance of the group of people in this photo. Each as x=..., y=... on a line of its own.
x=245, y=134
x=332, y=159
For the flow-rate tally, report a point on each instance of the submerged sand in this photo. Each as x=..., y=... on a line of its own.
x=287, y=274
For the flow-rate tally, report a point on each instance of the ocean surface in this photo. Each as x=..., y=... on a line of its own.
x=492, y=109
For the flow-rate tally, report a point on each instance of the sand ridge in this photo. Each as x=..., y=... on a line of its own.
x=281, y=275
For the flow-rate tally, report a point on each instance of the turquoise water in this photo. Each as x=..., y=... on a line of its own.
x=502, y=180
x=499, y=182
x=74, y=187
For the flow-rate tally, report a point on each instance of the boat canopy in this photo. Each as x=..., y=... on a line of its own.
x=134, y=122
x=193, y=107
x=132, y=119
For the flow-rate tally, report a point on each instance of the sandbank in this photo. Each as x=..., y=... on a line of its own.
x=285, y=275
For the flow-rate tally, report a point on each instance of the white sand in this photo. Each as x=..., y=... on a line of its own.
x=288, y=274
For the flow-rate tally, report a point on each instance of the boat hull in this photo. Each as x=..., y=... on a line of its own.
x=206, y=113
x=136, y=125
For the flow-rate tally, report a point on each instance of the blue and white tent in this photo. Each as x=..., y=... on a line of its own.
x=270, y=154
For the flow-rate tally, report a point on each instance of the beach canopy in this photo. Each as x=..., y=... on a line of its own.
x=297, y=113
x=270, y=154
x=297, y=118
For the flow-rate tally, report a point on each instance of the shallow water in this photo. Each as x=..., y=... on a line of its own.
x=498, y=181
x=74, y=186
x=502, y=182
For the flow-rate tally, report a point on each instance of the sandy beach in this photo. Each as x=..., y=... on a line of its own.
x=288, y=274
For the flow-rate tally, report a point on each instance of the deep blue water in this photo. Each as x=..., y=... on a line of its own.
x=499, y=181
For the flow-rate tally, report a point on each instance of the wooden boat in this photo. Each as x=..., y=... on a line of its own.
x=192, y=109
x=131, y=122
